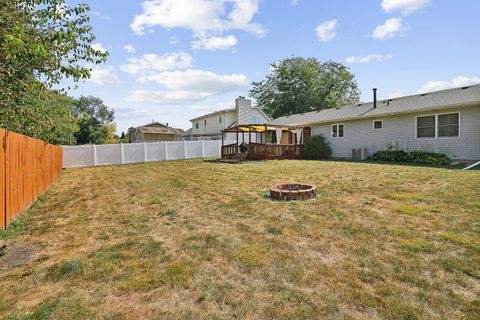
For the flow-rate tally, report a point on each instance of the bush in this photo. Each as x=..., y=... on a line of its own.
x=429, y=158
x=317, y=148
x=420, y=157
x=391, y=155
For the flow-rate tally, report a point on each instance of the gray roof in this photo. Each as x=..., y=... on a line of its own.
x=420, y=102
x=213, y=113
x=158, y=127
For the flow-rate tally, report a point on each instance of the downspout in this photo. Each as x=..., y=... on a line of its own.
x=472, y=166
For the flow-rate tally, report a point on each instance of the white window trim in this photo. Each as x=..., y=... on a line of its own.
x=373, y=124
x=436, y=126
x=338, y=131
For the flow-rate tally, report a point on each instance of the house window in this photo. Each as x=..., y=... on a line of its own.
x=439, y=126
x=337, y=131
x=205, y=122
x=196, y=125
x=378, y=125
x=426, y=127
x=220, y=119
x=448, y=125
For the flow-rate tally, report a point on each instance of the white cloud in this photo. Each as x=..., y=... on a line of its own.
x=129, y=48
x=215, y=43
x=197, y=80
x=187, y=86
x=165, y=97
x=103, y=77
x=173, y=41
x=395, y=94
x=99, y=47
x=294, y=3
x=128, y=113
x=460, y=81
x=202, y=17
x=405, y=6
x=149, y=63
x=203, y=108
x=388, y=29
x=369, y=58
x=326, y=31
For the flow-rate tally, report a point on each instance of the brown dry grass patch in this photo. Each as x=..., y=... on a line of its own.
x=197, y=240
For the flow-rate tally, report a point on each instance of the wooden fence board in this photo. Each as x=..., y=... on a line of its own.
x=28, y=167
x=3, y=222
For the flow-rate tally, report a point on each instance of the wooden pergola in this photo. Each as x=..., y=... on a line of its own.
x=289, y=146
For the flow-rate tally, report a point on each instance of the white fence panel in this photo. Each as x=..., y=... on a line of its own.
x=212, y=148
x=108, y=154
x=78, y=156
x=104, y=155
x=156, y=151
x=194, y=149
x=176, y=150
x=133, y=153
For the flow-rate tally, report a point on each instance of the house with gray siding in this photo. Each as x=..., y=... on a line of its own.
x=445, y=121
x=210, y=126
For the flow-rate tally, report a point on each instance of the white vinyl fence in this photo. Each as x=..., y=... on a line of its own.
x=111, y=154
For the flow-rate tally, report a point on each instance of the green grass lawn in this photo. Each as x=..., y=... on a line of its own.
x=198, y=240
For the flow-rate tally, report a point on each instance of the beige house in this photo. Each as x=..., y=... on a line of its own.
x=445, y=121
x=154, y=132
x=210, y=126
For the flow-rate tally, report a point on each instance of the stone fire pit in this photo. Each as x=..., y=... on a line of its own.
x=293, y=191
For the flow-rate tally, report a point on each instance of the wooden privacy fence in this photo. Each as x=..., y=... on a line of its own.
x=27, y=168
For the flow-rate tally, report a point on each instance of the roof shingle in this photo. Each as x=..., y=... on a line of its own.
x=408, y=104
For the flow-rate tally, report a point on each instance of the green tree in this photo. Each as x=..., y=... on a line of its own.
x=41, y=43
x=41, y=113
x=123, y=138
x=95, y=121
x=298, y=85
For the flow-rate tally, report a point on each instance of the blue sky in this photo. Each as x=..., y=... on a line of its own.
x=173, y=60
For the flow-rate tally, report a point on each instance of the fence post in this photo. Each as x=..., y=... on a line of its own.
x=122, y=156
x=184, y=149
x=166, y=150
x=144, y=152
x=203, y=148
x=94, y=155
x=219, y=148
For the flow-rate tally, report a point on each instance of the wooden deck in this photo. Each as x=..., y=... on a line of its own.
x=261, y=151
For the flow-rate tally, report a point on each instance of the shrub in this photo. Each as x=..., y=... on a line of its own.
x=317, y=147
x=420, y=157
x=429, y=158
x=391, y=155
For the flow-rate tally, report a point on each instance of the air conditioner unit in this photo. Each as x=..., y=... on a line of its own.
x=359, y=154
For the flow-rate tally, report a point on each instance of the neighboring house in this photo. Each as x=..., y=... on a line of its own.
x=154, y=132
x=445, y=121
x=187, y=135
x=209, y=126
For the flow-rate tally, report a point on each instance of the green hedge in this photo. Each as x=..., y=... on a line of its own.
x=420, y=157
x=317, y=148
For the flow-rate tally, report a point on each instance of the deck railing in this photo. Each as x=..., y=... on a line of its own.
x=230, y=150
x=259, y=151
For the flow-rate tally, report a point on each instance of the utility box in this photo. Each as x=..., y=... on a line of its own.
x=359, y=154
